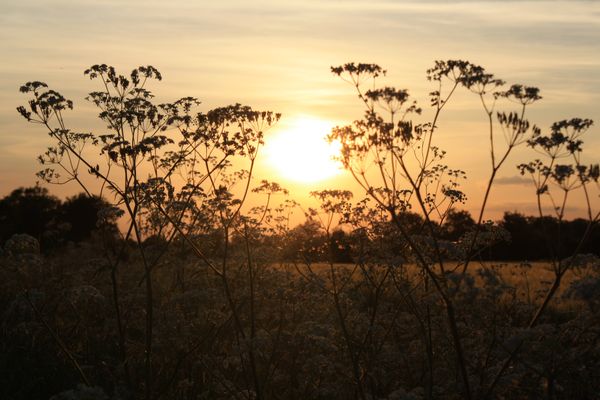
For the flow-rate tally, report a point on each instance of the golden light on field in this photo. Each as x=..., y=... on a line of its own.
x=301, y=153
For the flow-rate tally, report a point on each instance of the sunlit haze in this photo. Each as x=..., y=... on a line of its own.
x=301, y=153
x=276, y=55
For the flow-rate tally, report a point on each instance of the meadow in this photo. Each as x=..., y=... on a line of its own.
x=299, y=330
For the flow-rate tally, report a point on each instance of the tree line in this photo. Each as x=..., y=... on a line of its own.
x=527, y=238
x=54, y=223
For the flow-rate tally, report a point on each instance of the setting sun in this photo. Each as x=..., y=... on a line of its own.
x=301, y=153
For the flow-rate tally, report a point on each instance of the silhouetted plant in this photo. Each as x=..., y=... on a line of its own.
x=174, y=188
x=199, y=295
x=410, y=174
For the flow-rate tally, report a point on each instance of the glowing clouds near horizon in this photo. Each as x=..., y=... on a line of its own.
x=301, y=152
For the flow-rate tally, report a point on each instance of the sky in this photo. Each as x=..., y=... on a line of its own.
x=276, y=55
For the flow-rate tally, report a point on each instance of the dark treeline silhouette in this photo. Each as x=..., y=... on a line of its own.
x=52, y=222
x=528, y=238
x=542, y=238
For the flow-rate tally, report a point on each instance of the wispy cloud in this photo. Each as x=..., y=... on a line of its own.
x=530, y=208
x=512, y=180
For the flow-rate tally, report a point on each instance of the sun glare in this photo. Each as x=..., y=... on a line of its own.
x=301, y=153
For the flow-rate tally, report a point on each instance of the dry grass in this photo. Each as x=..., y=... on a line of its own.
x=531, y=280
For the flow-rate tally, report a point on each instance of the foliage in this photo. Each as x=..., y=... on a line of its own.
x=53, y=223
x=27, y=210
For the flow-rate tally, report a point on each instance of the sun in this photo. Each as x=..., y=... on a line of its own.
x=300, y=151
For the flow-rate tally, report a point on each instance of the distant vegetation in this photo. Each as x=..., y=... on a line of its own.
x=391, y=296
x=55, y=224
x=52, y=222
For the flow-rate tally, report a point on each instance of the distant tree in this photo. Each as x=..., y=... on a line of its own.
x=305, y=242
x=412, y=222
x=543, y=238
x=80, y=212
x=27, y=210
x=37, y=213
x=457, y=223
x=340, y=245
x=522, y=239
x=576, y=230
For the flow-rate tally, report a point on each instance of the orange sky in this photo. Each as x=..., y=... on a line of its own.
x=276, y=55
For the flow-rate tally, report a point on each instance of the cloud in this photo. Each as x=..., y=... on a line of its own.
x=530, y=208
x=512, y=180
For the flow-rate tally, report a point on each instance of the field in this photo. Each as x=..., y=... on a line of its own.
x=529, y=279
x=300, y=330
